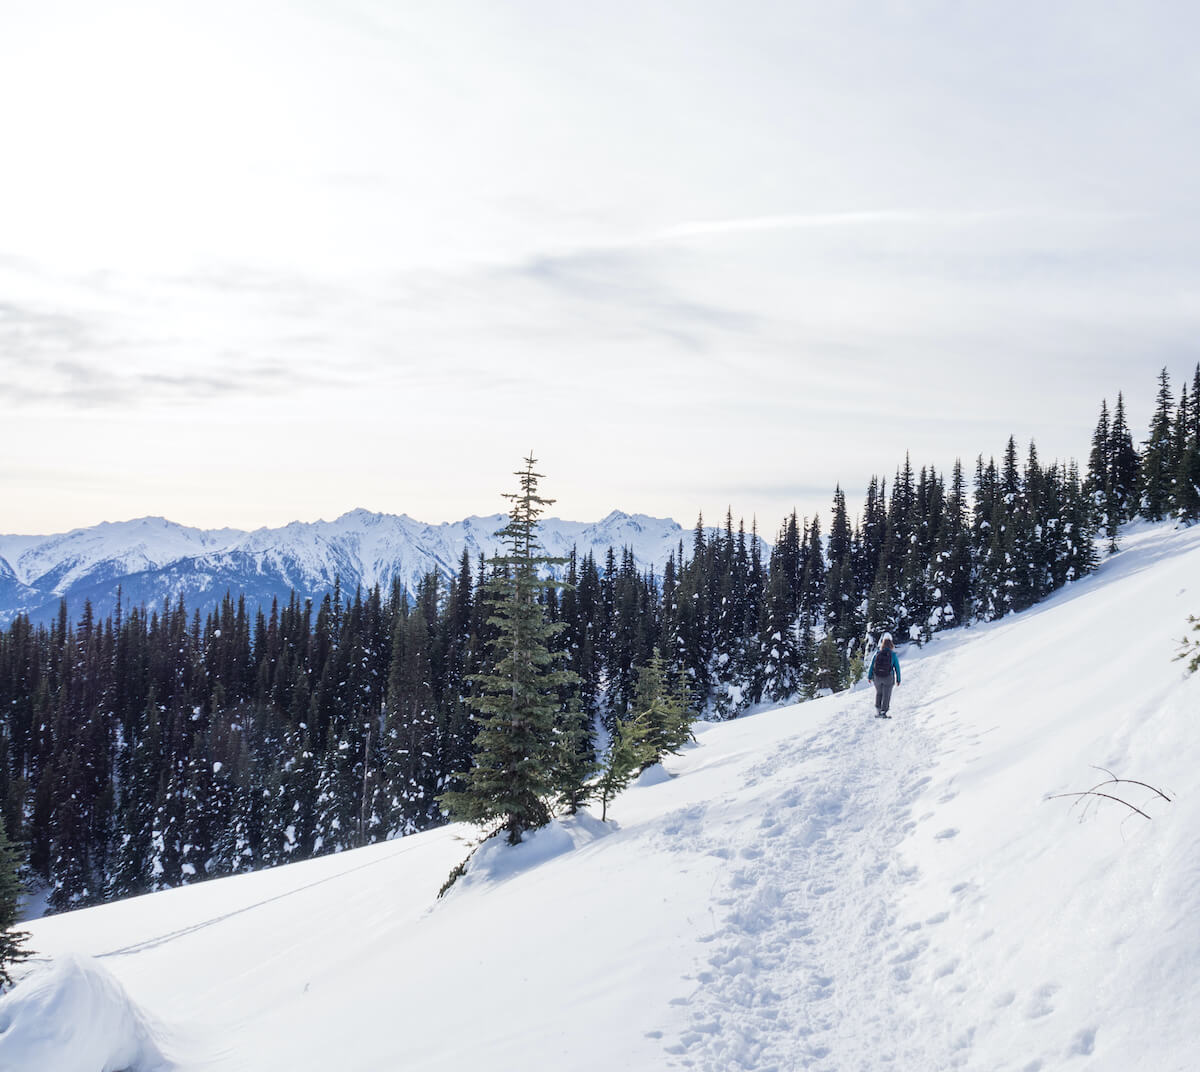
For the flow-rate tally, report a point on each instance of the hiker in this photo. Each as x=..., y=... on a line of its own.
x=885, y=672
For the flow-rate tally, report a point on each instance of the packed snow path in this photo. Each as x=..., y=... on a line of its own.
x=805, y=888
x=808, y=953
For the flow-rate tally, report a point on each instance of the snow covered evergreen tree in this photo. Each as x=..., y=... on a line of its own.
x=574, y=763
x=1187, y=458
x=1099, y=483
x=140, y=777
x=1123, y=466
x=12, y=941
x=411, y=728
x=778, y=646
x=666, y=712
x=1158, y=460
x=628, y=752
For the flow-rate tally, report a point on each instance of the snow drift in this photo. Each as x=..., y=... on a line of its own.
x=73, y=1016
x=811, y=888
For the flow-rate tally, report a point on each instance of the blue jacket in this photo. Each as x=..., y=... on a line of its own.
x=895, y=667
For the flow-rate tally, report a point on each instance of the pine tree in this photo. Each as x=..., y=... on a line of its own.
x=458, y=732
x=839, y=604
x=1158, y=461
x=1187, y=459
x=666, y=714
x=779, y=656
x=883, y=598
x=874, y=536
x=574, y=763
x=997, y=580
x=512, y=779
x=832, y=669
x=1100, y=461
x=1030, y=564
x=1078, y=529
x=411, y=727
x=806, y=654
x=12, y=941
x=1190, y=648
x=628, y=752
x=952, y=584
x=1101, y=485
x=1123, y=466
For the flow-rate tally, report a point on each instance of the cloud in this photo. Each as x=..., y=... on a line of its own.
x=883, y=217
x=626, y=291
x=700, y=228
x=64, y=360
x=33, y=326
x=86, y=387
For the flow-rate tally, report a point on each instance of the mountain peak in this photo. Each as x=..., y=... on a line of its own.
x=153, y=558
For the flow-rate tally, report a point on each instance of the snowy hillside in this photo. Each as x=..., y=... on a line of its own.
x=153, y=559
x=805, y=888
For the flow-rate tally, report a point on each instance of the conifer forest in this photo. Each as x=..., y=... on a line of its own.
x=156, y=748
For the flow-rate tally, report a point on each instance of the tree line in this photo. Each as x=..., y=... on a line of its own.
x=155, y=747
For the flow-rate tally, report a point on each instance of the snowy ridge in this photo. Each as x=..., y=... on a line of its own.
x=807, y=888
x=153, y=559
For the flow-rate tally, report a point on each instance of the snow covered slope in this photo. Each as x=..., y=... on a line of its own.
x=153, y=559
x=805, y=888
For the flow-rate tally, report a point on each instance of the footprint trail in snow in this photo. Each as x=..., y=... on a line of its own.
x=808, y=954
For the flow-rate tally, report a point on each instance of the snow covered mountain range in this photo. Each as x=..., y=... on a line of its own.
x=152, y=559
x=802, y=888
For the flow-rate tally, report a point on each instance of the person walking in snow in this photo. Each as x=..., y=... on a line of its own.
x=885, y=672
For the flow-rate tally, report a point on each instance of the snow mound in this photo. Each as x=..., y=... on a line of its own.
x=496, y=861
x=653, y=775
x=73, y=1016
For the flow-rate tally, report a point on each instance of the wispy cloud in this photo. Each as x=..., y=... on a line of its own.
x=633, y=296
x=798, y=221
x=791, y=222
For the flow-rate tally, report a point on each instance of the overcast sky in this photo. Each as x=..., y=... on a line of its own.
x=264, y=261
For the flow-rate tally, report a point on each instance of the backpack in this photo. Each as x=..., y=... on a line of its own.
x=883, y=662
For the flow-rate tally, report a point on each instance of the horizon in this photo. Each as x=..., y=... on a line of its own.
x=818, y=502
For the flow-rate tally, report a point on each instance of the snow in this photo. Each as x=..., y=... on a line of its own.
x=140, y=544
x=360, y=547
x=74, y=1016
x=803, y=888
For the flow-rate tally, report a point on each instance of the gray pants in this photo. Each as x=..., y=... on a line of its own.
x=883, y=692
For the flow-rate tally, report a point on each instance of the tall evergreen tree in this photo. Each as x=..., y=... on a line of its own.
x=1124, y=465
x=574, y=763
x=667, y=714
x=628, y=752
x=1100, y=459
x=1100, y=485
x=1187, y=459
x=12, y=941
x=1158, y=460
x=512, y=779
x=411, y=728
